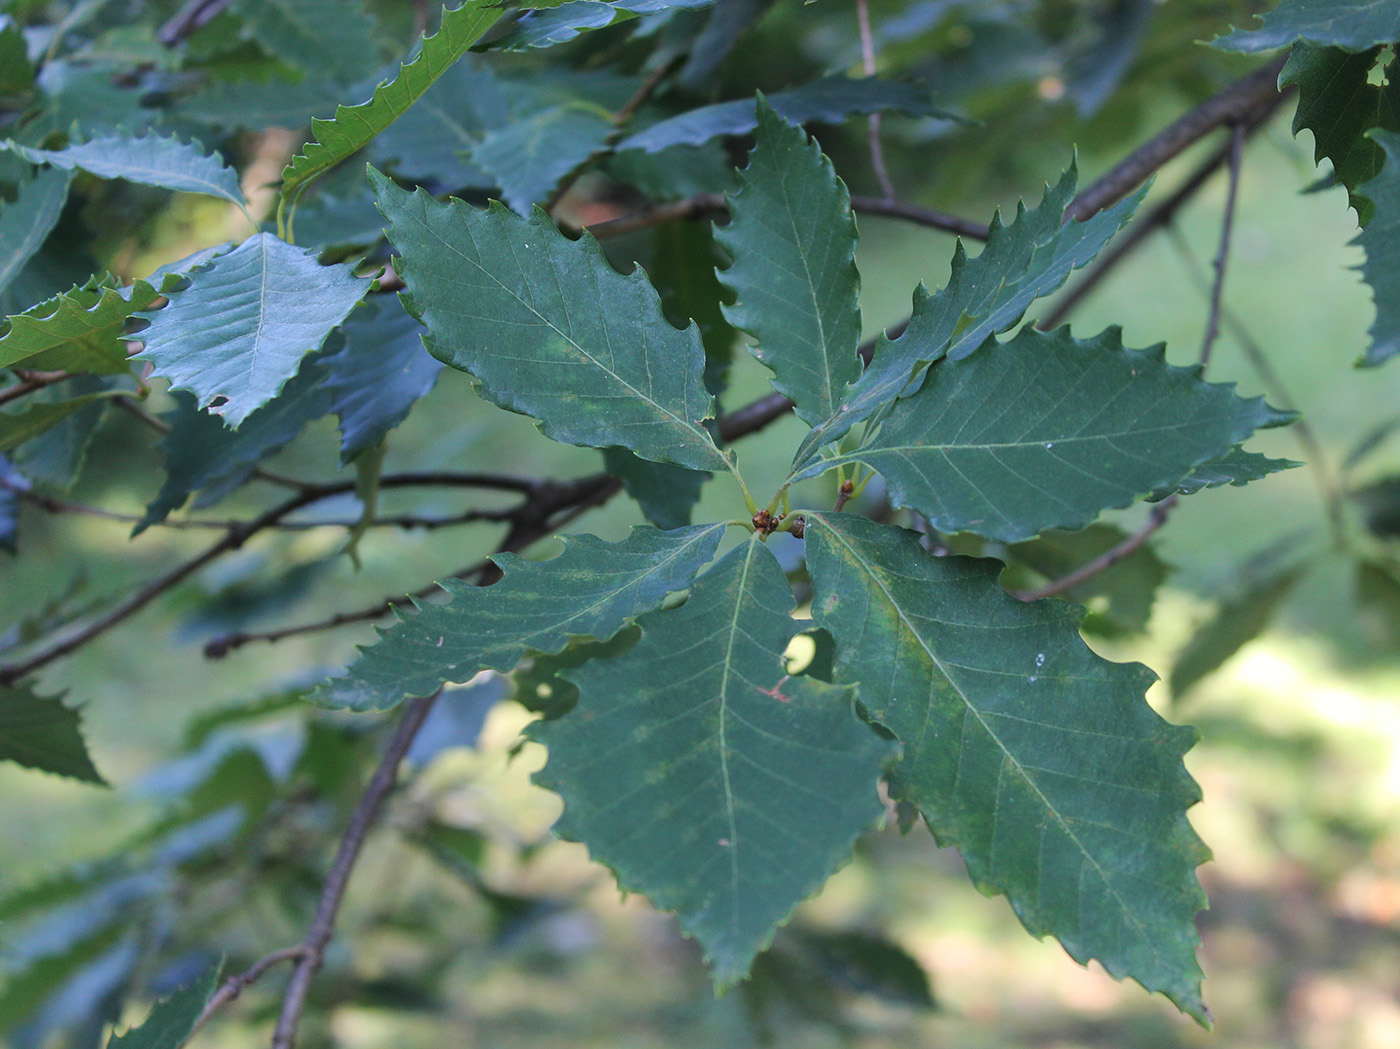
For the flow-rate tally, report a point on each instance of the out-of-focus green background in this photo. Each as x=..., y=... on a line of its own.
x=1299, y=760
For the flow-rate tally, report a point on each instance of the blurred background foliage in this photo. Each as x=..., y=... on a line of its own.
x=466, y=922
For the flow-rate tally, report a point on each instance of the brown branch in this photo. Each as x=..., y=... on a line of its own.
x=235, y=985
x=530, y=525
x=867, y=57
x=922, y=216
x=313, y=947
x=29, y=383
x=1105, y=560
x=188, y=20
x=1222, y=255
x=1240, y=103
x=233, y=539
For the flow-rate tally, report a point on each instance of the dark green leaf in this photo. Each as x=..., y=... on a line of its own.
x=667, y=494
x=1239, y=620
x=1381, y=239
x=1125, y=589
x=355, y=126
x=539, y=686
x=550, y=330
x=44, y=734
x=984, y=296
x=1380, y=506
x=590, y=590
x=333, y=38
x=16, y=71
x=560, y=23
x=1079, y=426
x=1355, y=25
x=828, y=101
x=434, y=139
x=152, y=160
x=18, y=427
x=1236, y=467
x=172, y=1020
x=56, y=457
x=1338, y=104
x=793, y=239
x=28, y=219
x=203, y=455
x=704, y=776
x=377, y=376
x=260, y=104
x=528, y=157
x=238, y=332
x=1040, y=761
x=683, y=270
x=1097, y=71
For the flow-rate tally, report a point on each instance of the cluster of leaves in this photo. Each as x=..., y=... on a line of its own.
x=707, y=770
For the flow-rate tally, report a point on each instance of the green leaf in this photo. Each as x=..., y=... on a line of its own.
x=16, y=71
x=1355, y=25
x=1236, y=467
x=590, y=590
x=667, y=494
x=1125, y=588
x=334, y=38
x=683, y=270
x=42, y=733
x=1338, y=104
x=80, y=329
x=538, y=684
x=203, y=455
x=172, y=1020
x=528, y=157
x=37, y=419
x=704, y=776
x=984, y=296
x=1381, y=240
x=550, y=330
x=1074, y=427
x=560, y=23
x=256, y=105
x=15, y=483
x=377, y=377
x=28, y=220
x=432, y=141
x=238, y=332
x=793, y=240
x=151, y=160
x=1040, y=761
x=354, y=126
x=830, y=100
x=1239, y=620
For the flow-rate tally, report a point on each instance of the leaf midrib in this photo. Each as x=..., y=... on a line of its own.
x=1060, y=821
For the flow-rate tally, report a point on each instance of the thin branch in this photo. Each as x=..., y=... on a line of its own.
x=233, y=539
x=712, y=206
x=29, y=383
x=236, y=985
x=1105, y=560
x=1316, y=456
x=1240, y=103
x=1222, y=255
x=313, y=947
x=920, y=215
x=188, y=20
x=867, y=57
x=586, y=494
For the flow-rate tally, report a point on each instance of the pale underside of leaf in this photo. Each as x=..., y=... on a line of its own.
x=152, y=160
x=792, y=237
x=1355, y=25
x=590, y=590
x=1381, y=240
x=1048, y=431
x=704, y=776
x=28, y=219
x=238, y=332
x=1040, y=761
x=549, y=329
